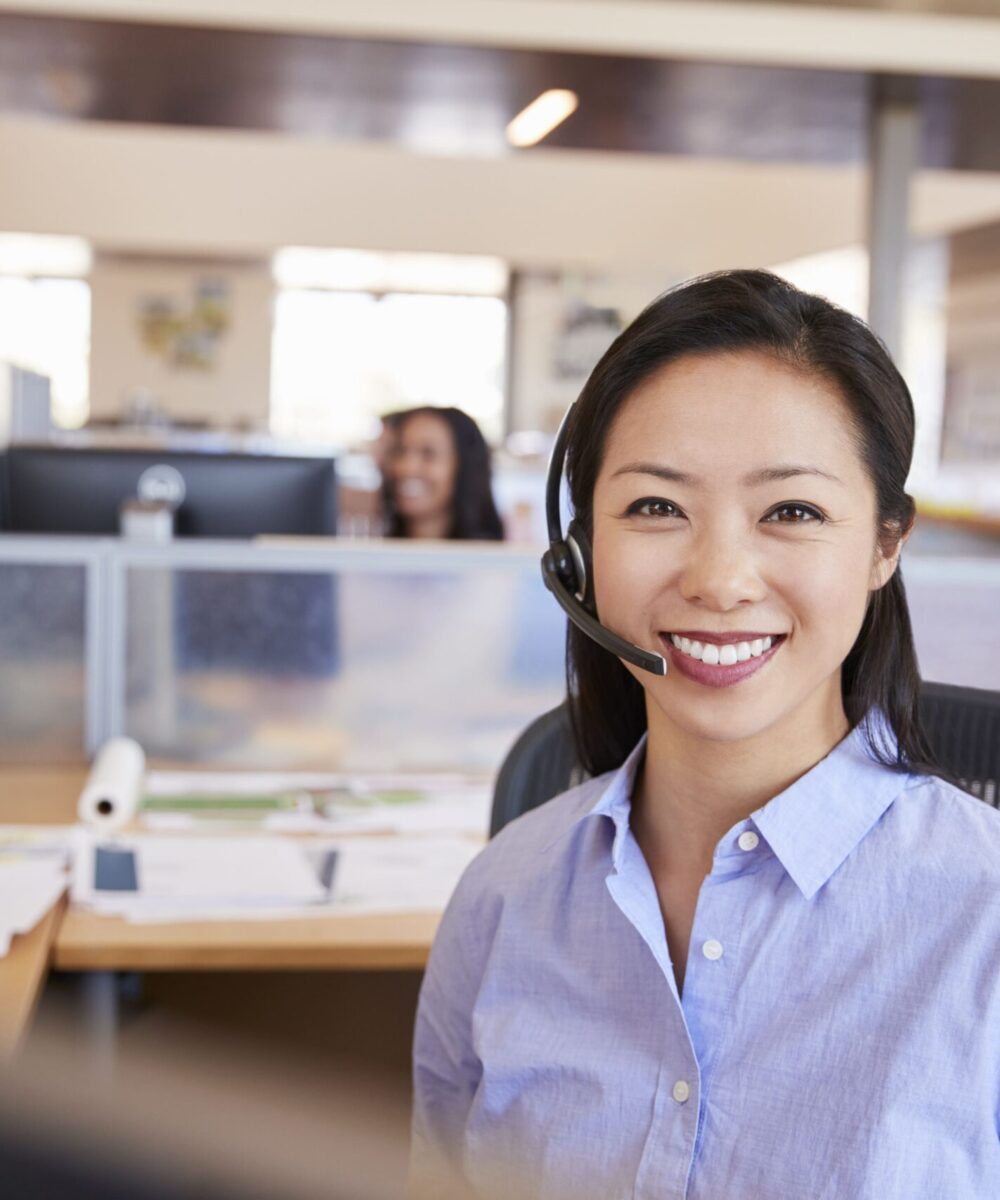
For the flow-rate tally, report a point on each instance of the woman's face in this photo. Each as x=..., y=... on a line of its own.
x=422, y=468
x=720, y=553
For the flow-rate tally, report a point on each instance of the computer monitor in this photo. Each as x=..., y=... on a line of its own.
x=64, y=490
x=282, y=624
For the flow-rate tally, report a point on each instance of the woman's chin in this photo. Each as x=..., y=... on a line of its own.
x=706, y=723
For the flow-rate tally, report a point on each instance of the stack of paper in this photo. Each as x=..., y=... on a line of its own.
x=176, y=878
x=332, y=803
x=149, y=878
x=32, y=876
x=400, y=874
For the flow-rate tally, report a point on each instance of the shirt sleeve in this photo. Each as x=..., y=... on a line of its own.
x=446, y=1069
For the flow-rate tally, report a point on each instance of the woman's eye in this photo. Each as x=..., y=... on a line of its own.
x=650, y=508
x=811, y=515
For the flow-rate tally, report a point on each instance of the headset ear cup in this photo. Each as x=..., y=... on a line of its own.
x=583, y=560
x=563, y=564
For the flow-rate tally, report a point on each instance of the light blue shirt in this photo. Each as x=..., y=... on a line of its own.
x=839, y=1032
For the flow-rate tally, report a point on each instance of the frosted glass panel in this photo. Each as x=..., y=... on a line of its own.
x=355, y=670
x=42, y=676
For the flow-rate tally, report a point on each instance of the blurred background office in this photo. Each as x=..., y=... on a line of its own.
x=252, y=263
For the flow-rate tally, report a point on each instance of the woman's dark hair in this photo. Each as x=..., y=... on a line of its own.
x=754, y=310
x=474, y=513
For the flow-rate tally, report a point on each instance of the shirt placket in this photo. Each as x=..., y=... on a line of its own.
x=667, y=1153
x=697, y=1027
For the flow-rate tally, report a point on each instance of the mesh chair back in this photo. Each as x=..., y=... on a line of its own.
x=962, y=725
x=541, y=764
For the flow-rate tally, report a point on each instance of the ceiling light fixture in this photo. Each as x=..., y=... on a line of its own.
x=541, y=116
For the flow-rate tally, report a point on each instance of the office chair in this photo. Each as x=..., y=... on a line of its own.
x=541, y=764
x=962, y=725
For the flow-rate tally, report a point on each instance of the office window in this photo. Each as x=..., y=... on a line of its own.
x=344, y=355
x=45, y=327
x=45, y=316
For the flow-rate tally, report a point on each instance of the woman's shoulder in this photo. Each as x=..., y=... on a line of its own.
x=511, y=856
x=960, y=826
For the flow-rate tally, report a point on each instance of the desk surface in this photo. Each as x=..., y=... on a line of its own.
x=83, y=941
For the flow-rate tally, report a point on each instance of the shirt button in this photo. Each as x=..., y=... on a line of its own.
x=681, y=1091
x=748, y=841
x=712, y=949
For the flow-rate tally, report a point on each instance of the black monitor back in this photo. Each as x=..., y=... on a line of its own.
x=49, y=489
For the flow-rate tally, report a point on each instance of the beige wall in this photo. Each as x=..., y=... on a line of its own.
x=833, y=35
x=540, y=392
x=158, y=190
x=233, y=393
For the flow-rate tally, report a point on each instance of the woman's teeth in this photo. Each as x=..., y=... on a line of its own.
x=722, y=656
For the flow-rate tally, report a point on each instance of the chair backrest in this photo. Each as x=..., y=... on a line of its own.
x=962, y=725
x=541, y=764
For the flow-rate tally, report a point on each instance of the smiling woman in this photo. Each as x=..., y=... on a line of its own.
x=756, y=953
x=438, y=478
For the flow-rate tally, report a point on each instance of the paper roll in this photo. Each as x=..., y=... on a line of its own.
x=110, y=796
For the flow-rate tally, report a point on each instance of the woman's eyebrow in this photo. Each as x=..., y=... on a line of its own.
x=752, y=479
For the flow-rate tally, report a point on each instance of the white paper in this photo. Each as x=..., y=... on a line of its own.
x=28, y=889
x=372, y=875
x=400, y=874
x=388, y=803
x=186, y=876
x=235, y=783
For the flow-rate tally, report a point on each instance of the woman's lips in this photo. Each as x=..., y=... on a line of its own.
x=718, y=676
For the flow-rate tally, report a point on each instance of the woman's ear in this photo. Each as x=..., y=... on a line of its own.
x=885, y=564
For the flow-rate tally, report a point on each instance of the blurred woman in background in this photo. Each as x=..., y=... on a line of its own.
x=438, y=478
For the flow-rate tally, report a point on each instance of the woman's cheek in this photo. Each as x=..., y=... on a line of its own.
x=830, y=591
x=626, y=581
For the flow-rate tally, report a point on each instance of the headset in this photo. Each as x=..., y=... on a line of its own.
x=567, y=568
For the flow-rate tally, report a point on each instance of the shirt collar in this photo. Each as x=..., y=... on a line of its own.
x=814, y=824
x=616, y=799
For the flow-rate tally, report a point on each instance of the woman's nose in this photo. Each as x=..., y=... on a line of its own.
x=721, y=569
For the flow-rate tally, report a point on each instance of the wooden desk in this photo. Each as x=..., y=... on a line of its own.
x=83, y=941
x=33, y=797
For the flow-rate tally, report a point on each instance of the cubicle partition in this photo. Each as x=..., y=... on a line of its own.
x=53, y=648
x=332, y=655
x=307, y=654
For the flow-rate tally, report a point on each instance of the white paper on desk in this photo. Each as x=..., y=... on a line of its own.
x=373, y=875
x=28, y=889
x=236, y=783
x=187, y=876
x=432, y=811
x=37, y=841
x=400, y=874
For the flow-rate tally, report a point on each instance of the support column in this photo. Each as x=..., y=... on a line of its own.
x=894, y=157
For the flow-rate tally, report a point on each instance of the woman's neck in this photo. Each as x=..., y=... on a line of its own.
x=438, y=525
x=692, y=790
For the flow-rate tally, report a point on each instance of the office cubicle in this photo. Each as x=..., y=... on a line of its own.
x=434, y=656
x=398, y=656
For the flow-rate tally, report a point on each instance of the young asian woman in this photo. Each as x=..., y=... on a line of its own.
x=438, y=481
x=757, y=953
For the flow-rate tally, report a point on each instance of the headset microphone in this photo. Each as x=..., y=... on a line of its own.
x=567, y=569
